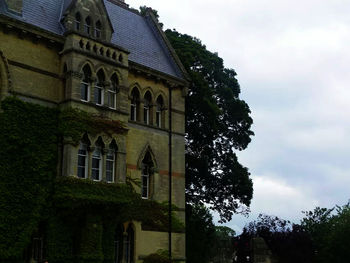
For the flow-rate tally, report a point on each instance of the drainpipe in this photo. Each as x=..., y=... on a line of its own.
x=170, y=169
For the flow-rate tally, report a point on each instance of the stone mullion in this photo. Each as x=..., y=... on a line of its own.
x=70, y=159
x=120, y=167
x=140, y=112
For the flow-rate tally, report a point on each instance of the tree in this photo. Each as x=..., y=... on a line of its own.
x=218, y=122
x=200, y=234
x=289, y=242
x=330, y=232
x=145, y=9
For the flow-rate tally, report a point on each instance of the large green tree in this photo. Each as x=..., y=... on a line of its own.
x=330, y=233
x=218, y=123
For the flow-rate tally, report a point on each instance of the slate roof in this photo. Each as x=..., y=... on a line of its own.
x=133, y=32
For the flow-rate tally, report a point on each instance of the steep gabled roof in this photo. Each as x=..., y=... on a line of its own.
x=136, y=33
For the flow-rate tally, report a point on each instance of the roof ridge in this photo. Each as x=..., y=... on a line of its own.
x=125, y=6
x=170, y=50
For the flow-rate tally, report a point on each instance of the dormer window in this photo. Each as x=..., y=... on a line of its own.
x=87, y=26
x=77, y=21
x=98, y=29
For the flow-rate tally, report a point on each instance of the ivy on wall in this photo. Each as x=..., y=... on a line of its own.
x=73, y=122
x=28, y=157
x=80, y=216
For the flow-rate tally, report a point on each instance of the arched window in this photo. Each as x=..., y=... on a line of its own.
x=98, y=92
x=85, y=84
x=118, y=245
x=35, y=252
x=98, y=29
x=134, y=105
x=159, y=112
x=112, y=92
x=96, y=168
x=83, y=159
x=147, y=108
x=110, y=162
x=129, y=243
x=77, y=21
x=87, y=25
x=147, y=165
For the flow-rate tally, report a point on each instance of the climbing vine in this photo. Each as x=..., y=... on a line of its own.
x=74, y=122
x=80, y=216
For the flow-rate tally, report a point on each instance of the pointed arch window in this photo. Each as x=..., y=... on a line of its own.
x=98, y=29
x=110, y=162
x=159, y=112
x=112, y=92
x=129, y=243
x=134, y=105
x=85, y=84
x=147, y=108
x=147, y=165
x=87, y=25
x=98, y=92
x=77, y=21
x=124, y=244
x=118, y=245
x=83, y=160
x=96, y=167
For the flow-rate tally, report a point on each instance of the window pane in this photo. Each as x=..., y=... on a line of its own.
x=95, y=174
x=158, y=119
x=81, y=172
x=111, y=99
x=98, y=95
x=95, y=163
x=133, y=112
x=144, y=186
x=81, y=160
x=84, y=91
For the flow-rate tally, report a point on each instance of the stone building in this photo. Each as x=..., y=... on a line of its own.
x=104, y=58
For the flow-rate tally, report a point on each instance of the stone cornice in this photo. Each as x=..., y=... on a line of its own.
x=171, y=81
x=25, y=29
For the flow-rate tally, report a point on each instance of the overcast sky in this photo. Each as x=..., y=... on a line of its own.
x=293, y=64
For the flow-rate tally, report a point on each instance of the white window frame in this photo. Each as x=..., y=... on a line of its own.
x=99, y=169
x=111, y=152
x=87, y=86
x=86, y=156
x=147, y=177
x=87, y=28
x=159, y=116
x=111, y=93
x=99, y=89
x=133, y=111
x=98, y=33
x=77, y=25
x=146, y=113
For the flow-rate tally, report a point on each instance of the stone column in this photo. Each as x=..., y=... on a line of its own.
x=121, y=167
x=70, y=158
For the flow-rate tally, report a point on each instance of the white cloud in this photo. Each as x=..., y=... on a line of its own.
x=292, y=60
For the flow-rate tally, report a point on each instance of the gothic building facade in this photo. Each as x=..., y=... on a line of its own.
x=102, y=57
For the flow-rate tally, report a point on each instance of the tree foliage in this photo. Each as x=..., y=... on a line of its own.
x=288, y=242
x=218, y=122
x=200, y=234
x=330, y=232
